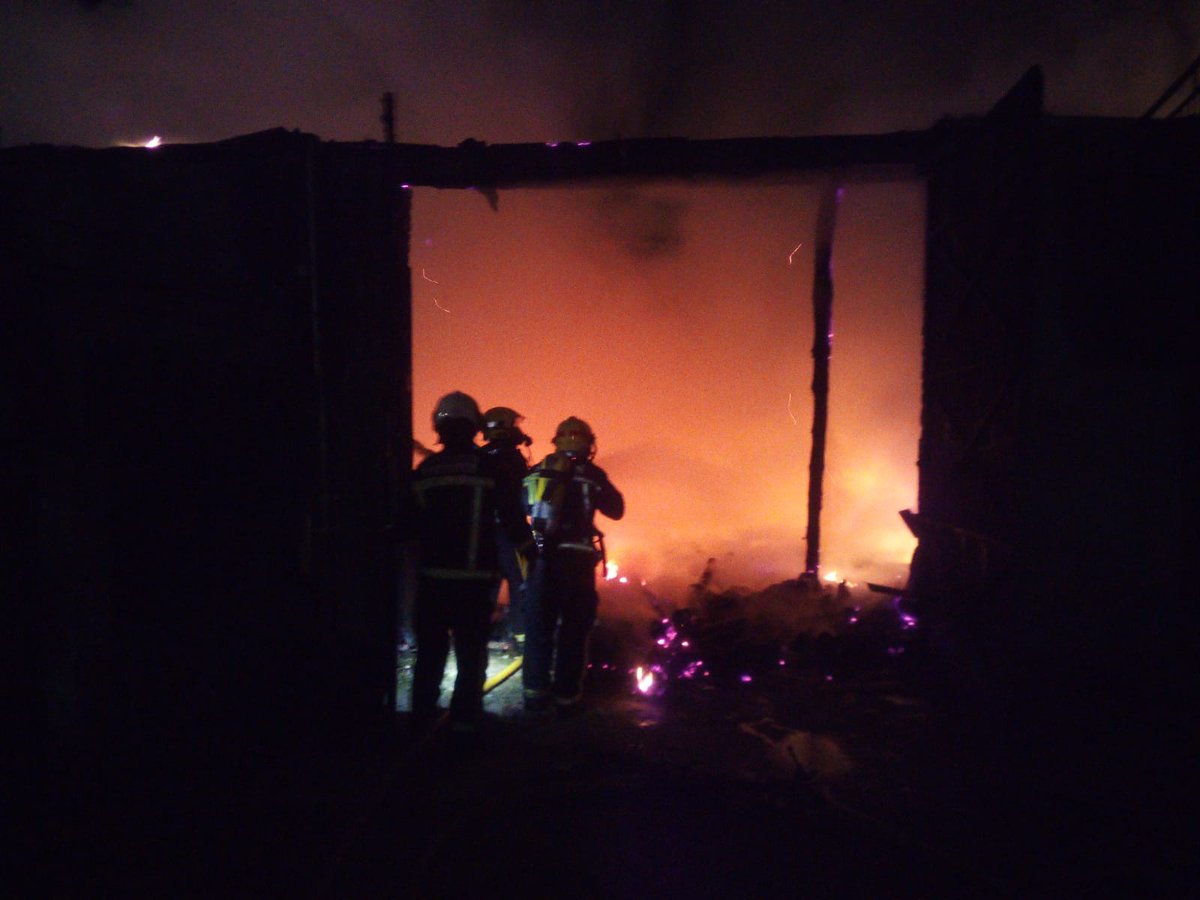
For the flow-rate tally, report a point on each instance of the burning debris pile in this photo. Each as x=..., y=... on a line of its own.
x=821, y=629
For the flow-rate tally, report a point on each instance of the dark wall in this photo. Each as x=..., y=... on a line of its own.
x=365, y=337
x=1060, y=281
x=206, y=357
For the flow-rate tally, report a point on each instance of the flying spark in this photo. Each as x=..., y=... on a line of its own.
x=436, y=302
x=793, y=253
x=795, y=421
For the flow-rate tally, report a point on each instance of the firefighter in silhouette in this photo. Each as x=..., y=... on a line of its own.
x=562, y=494
x=464, y=500
x=504, y=437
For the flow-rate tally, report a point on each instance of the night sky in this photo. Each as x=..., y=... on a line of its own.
x=674, y=318
x=96, y=72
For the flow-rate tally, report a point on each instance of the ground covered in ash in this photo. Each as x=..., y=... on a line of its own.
x=771, y=748
x=776, y=747
x=779, y=787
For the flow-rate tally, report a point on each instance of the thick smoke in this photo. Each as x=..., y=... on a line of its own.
x=693, y=366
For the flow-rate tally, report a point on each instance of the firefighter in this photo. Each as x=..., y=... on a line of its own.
x=504, y=437
x=464, y=499
x=562, y=494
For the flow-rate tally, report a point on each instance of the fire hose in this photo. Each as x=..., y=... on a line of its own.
x=503, y=675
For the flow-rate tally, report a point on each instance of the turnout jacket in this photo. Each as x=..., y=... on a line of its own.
x=463, y=498
x=508, y=458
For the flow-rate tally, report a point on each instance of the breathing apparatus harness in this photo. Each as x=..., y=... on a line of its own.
x=546, y=490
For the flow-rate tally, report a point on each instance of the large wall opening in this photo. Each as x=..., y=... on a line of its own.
x=677, y=320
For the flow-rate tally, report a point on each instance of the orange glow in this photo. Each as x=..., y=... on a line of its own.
x=677, y=321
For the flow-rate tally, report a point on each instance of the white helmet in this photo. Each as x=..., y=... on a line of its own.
x=456, y=405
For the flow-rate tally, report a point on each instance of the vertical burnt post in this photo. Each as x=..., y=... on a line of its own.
x=822, y=347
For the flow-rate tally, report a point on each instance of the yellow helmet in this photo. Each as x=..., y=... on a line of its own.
x=500, y=423
x=574, y=436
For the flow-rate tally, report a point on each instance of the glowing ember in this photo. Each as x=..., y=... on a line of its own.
x=610, y=571
x=690, y=670
x=907, y=620
x=645, y=680
x=669, y=634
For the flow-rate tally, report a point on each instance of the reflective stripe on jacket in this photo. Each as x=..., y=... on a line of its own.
x=464, y=501
x=456, y=517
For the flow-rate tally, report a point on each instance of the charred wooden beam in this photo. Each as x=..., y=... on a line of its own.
x=494, y=166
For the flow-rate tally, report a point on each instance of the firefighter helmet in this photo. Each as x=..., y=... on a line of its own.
x=456, y=406
x=574, y=437
x=500, y=424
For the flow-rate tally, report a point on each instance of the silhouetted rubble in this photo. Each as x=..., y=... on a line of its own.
x=824, y=629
